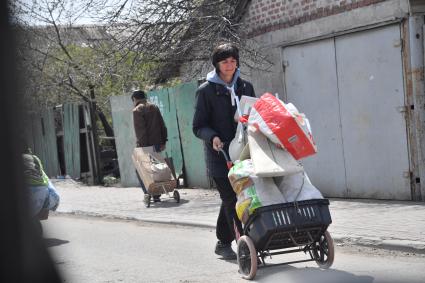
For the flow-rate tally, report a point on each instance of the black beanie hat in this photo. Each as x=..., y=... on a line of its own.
x=138, y=94
x=224, y=51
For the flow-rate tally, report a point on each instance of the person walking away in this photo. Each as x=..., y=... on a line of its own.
x=149, y=128
x=214, y=123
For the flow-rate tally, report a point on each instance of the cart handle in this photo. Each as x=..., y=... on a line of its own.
x=229, y=162
x=244, y=119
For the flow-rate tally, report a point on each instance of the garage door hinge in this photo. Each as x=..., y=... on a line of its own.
x=407, y=174
x=285, y=64
x=398, y=43
x=403, y=109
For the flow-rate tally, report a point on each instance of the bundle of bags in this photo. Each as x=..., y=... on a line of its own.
x=151, y=166
x=266, y=169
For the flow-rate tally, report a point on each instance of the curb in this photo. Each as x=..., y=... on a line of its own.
x=391, y=245
x=136, y=219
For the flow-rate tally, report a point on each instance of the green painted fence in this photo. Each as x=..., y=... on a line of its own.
x=183, y=97
x=125, y=139
x=50, y=147
x=167, y=106
x=41, y=138
x=177, y=108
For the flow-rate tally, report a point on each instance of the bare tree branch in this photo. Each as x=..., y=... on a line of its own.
x=164, y=33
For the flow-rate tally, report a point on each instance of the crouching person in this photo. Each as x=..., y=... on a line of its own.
x=43, y=195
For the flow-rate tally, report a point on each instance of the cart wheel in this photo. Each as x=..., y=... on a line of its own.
x=247, y=257
x=176, y=196
x=324, y=251
x=147, y=200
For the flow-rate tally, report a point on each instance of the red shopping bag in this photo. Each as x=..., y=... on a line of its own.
x=283, y=126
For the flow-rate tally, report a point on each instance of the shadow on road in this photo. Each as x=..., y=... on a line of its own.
x=52, y=242
x=309, y=274
x=233, y=261
x=167, y=202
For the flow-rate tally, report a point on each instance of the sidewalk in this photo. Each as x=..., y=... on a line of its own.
x=396, y=225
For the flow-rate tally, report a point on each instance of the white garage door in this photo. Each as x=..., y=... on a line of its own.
x=351, y=89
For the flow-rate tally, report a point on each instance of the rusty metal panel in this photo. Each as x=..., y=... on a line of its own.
x=71, y=140
x=311, y=85
x=371, y=92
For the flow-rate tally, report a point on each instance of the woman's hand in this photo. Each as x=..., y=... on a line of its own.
x=217, y=144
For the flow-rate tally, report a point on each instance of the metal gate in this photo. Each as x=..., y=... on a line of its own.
x=351, y=89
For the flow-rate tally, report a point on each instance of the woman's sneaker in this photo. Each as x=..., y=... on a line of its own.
x=225, y=250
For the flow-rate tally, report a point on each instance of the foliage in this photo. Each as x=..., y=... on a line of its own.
x=168, y=32
x=134, y=44
x=108, y=72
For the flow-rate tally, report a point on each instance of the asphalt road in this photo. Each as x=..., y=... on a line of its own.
x=90, y=249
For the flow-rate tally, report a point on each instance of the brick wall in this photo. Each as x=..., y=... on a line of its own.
x=270, y=15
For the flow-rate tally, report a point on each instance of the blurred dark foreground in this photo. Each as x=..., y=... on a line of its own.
x=23, y=253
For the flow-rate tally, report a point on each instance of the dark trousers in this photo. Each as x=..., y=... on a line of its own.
x=227, y=217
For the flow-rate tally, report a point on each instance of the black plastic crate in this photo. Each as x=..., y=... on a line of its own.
x=288, y=224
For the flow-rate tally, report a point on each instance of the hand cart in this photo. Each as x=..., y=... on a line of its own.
x=286, y=228
x=167, y=187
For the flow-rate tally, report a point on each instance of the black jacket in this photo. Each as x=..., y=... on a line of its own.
x=214, y=116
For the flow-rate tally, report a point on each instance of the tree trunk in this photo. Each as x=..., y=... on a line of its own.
x=96, y=152
x=109, y=132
